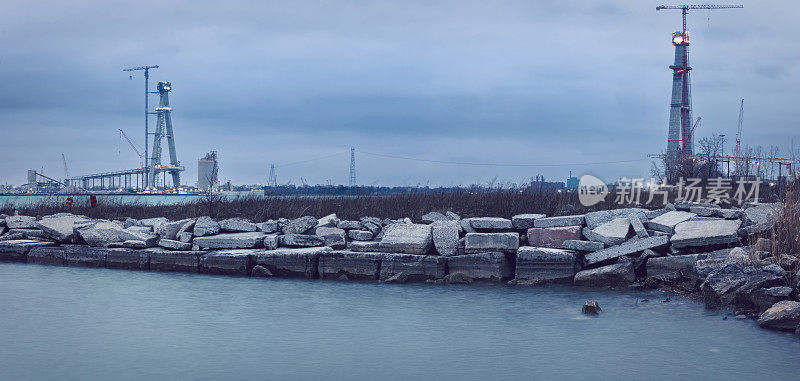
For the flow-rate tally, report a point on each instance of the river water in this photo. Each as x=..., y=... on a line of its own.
x=63, y=323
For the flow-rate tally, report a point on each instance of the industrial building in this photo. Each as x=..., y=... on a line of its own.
x=208, y=171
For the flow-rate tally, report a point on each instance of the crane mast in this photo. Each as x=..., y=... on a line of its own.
x=737, y=156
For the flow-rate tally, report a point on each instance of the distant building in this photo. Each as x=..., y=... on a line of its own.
x=572, y=183
x=208, y=171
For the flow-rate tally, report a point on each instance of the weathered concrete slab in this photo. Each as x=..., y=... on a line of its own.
x=78, y=255
x=228, y=262
x=551, y=222
x=546, y=264
x=60, y=227
x=348, y=225
x=705, y=233
x=490, y=224
x=433, y=217
x=667, y=221
x=360, y=235
x=136, y=234
x=580, y=245
x=127, y=259
x=626, y=248
x=674, y=264
x=299, y=225
x=489, y=242
x=354, y=266
x=407, y=239
x=618, y=274
x=445, y=237
x=613, y=232
x=270, y=226
x=179, y=261
x=553, y=237
x=52, y=255
x=415, y=268
x=363, y=246
x=636, y=224
x=249, y=240
x=330, y=221
x=239, y=225
x=100, y=233
x=525, y=221
x=300, y=240
x=174, y=245
x=334, y=237
x=17, y=249
x=292, y=263
x=482, y=267
x=205, y=226
x=170, y=230
x=595, y=219
x=271, y=241
x=21, y=222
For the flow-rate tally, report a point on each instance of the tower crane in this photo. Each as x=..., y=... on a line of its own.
x=737, y=156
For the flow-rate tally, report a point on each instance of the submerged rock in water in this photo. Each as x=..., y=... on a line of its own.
x=784, y=316
x=591, y=307
x=260, y=272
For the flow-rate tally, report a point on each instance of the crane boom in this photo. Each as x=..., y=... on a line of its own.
x=141, y=155
x=700, y=6
x=738, y=152
x=64, y=161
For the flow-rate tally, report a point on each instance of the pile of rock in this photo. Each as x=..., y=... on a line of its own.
x=686, y=247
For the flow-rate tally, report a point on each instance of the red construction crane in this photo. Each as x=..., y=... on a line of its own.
x=691, y=135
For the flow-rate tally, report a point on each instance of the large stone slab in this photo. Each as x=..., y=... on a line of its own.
x=636, y=224
x=205, y=226
x=299, y=225
x=546, y=264
x=179, y=261
x=613, y=232
x=445, y=236
x=415, y=268
x=553, y=237
x=618, y=274
x=490, y=223
x=228, y=262
x=127, y=259
x=482, y=267
x=170, y=230
x=784, y=316
x=301, y=240
x=100, y=233
x=595, y=219
x=551, y=222
x=60, y=227
x=433, y=217
x=21, y=222
x=330, y=220
x=174, y=245
x=249, y=240
x=407, y=239
x=364, y=246
x=587, y=246
x=78, y=255
x=667, y=221
x=490, y=242
x=352, y=265
x=17, y=249
x=630, y=247
x=295, y=263
x=48, y=255
x=525, y=221
x=705, y=233
x=334, y=237
x=238, y=225
x=683, y=264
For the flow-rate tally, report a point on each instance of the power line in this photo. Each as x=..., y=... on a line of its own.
x=308, y=160
x=495, y=164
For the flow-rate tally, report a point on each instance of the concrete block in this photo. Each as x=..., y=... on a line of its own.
x=618, y=274
x=299, y=263
x=613, y=232
x=179, y=261
x=637, y=225
x=630, y=247
x=270, y=226
x=16, y=250
x=360, y=235
x=677, y=263
x=363, y=246
x=595, y=219
x=21, y=222
x=249, y=240
x=525, y=221
x=300, y=240
x=667, y=221
x=705, y=233
x=127, y=259
x=551, y=222
x=407, y=239
x=204, y=226
x=238, y=225
x=546, y=264
x=228, y=262
x=415, y=268
x=48, y=255
x=553, y=237
x=490, y=224
x=299, y=225
x=355, y=266
x=579, y=245
x=445, y=237
x=493, y=266
x=174, y=245
x=78, y=255
x=490, y=242
x=334, y=237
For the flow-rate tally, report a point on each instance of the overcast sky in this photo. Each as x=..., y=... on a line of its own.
x=579, y=85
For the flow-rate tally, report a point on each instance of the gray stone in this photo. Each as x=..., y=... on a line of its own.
x=363, y=246
x=482, y=267
x=360, y=235
x=170, y=230
x=705, y=233
x=249, y=240
x=704, y=211
x=784, y=316
x=53, y=255
x=185, y=237
x=683, y=264
x=407, y=239
x=77, y=255
x=29, y=233
x=587, y=246
x=21, y=222
x=260, y=272
x=591, y=307
x=687, y=206
x=239, y=225
x=525, y=221
x=445, y=237
x=613, y=232
x=60, y=228
x=489, y=242
x=765, y=298
x=637, y=225
x=153, y=222
x=270, y=226
x=204, y=226
x=128, y=259
x=734, y=285
x=452, y=216
x=99, y=233
x=300, y=263
x=650, y=214
x=373, y=228
x=416, y=268
x=466, y=226
x=271, y=241
x=551, y=222
x=546, y=264
x=729, y=214
x=490, y=224
x=618, y=274
x=132, y=233
x=134, y=244
x=334, y=237
x=17, y=249
x=227, y=262
x=330, y=220
x=174, y=245
x=348, y=225
x=761, y=217
x=595, y=219
x=630, y=247
x=179, y=261
x=300, y=240
x=433, y=217
x=299, y=225
x=667, y=221
x=355, y=266
x=553, y=237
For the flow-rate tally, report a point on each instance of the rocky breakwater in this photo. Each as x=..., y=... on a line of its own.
x=699, y=249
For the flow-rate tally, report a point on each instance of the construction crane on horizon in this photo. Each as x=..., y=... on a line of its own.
x=131, y=143
x=737, y=156
x=64, y=161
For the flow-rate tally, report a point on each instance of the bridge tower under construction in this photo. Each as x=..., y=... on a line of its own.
x=164, y=130
x=679, y=137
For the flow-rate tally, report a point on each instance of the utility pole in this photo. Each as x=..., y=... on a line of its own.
x=146, y=70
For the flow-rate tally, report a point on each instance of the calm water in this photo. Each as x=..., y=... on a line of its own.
x=98, y=324
x=148, y=199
